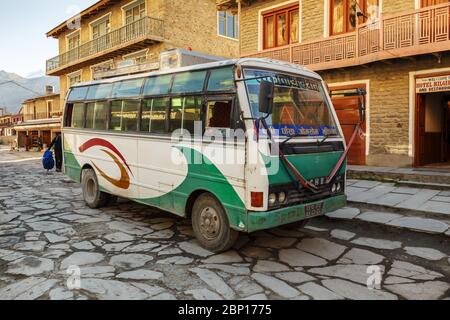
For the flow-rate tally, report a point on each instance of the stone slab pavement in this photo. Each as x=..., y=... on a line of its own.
x=387, y=194
x=49, y=240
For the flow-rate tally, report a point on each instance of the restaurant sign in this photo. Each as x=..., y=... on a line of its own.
x=433, y=84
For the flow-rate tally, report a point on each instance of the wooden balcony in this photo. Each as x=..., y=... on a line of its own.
x=423, y=31
x=129, y=38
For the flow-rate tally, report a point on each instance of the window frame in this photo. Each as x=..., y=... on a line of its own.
x=131, y=6
x=274, y=13
x=224, y=20
x=359, y=20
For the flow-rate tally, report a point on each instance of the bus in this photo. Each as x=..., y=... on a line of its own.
x=237, y=146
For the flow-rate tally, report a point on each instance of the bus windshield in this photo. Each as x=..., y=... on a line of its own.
x=300, y=105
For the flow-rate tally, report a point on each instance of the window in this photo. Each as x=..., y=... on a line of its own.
x=154, y=115
x=73, y=40
x=184, y=113
x=228, y=24
x=78, y=115
x=189, y=82
x=138, y=57
x=157, y=85
x=281, y=27
x=100, y=28
x=78, y=94
x=129, y=88
x=124, y=115
x=221, y=80
x=74, y=78
x=344, y=14
x=135, y=12
x=429, y=3
x=97, y=115
x=219, y=114
x=49, y=107
x=98, y=92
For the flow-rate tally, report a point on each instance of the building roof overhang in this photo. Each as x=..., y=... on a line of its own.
x=85, y=14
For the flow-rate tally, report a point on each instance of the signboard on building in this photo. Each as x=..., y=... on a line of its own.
x=433, y=84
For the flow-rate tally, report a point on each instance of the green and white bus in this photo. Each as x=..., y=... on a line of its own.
x=237, y=146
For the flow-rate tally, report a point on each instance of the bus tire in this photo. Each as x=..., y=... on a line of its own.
x=92, y=195
x=211, y=225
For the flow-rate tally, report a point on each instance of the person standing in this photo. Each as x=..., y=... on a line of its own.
x=27, y=143
x=57, y=146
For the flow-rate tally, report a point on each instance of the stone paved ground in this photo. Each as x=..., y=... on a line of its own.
x=389, y=195
x=129, y=251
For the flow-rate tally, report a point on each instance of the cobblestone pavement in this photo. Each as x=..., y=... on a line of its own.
x=129, y=251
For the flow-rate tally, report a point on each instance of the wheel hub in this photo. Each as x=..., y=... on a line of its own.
x=209, y=223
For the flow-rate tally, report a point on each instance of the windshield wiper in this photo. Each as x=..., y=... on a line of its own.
x=292, y=137
x=319, y=143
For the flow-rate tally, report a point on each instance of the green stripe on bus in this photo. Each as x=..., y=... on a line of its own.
x=203, y=176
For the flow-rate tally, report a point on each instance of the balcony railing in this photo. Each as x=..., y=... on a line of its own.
x=42, y=116
x=411, y=33
x=146, y=27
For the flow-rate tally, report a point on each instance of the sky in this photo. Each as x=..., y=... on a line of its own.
x=24, y=47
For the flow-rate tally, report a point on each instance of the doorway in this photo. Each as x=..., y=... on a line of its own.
x=432, y=147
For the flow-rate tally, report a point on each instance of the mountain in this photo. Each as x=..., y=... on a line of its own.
x=15, y=89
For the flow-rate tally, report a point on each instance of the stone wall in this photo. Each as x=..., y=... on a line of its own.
x=187, y=24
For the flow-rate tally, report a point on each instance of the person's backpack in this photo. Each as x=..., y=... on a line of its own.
x=47, y=160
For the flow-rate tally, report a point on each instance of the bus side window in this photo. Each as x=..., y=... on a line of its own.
x=219, y=114
x=78, y=115
x=124, y=115
x=184, y=113
x=154, y=115
x=68, y=115
x=97, y=115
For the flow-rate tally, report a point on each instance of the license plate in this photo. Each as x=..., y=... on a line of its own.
x=314, y=210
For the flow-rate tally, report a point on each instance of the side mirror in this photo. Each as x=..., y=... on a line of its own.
x=266, y=95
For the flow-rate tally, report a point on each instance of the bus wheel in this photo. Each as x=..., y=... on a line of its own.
x=92, y=195
x=211, y=225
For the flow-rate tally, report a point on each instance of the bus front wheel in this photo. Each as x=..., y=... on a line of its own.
x=92, y=195
x=211, y=225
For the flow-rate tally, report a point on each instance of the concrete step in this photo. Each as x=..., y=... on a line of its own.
x=393, y=220
x=397, y=175
x=414, y=201
x=424, y=185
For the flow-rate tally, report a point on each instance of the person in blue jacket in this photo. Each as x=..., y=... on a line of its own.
x=57, y=146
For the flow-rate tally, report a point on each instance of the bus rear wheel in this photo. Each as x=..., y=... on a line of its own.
x=211, y=225
x=92, y=195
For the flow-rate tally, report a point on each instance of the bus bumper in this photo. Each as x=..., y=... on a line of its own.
x=266, y=220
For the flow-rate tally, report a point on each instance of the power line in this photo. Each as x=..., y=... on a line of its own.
x=21, y=86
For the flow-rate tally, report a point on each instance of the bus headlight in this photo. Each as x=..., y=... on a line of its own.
x=334, y=188
x=338, y=187
x=272, y=199
x=282, y=197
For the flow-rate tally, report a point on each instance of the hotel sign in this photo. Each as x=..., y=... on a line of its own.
x=433, y=84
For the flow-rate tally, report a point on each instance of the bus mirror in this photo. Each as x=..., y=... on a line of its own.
x=266, y=95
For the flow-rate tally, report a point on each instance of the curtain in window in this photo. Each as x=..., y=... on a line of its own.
x=338, y=16
x=282, y=35
x=270, y=36
x=372, y=10
x=294, y=28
